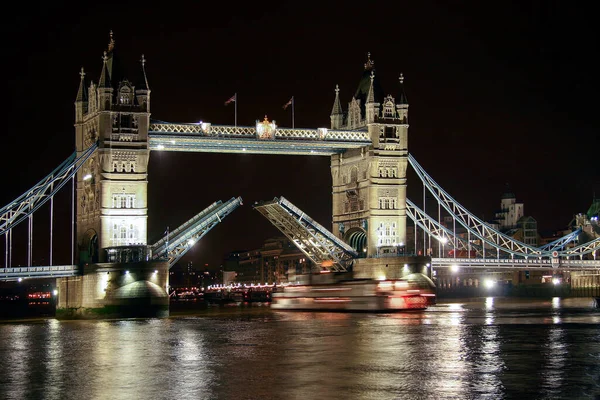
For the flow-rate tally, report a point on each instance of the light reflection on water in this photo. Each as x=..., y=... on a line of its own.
x=485, y=348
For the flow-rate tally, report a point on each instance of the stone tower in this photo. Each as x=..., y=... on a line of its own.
x=369, y=184
x=111, y=194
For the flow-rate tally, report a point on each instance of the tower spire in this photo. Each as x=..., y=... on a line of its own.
x=104, y=76
x=81, y=93
x=401, y=97
x=371, y=95
x=336, y=112
x=337, y=106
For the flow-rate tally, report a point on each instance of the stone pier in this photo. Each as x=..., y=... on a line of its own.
x=115, y=290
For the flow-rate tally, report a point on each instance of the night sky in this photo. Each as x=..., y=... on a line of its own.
x=499, y=94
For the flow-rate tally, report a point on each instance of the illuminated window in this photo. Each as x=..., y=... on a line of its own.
x=123, y=201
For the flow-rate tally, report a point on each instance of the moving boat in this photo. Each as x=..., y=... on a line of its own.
x=340, y=292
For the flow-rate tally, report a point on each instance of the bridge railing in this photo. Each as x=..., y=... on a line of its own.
x=54, y=271
x=209, y=130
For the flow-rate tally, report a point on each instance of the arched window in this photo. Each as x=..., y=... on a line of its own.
x=354, y=175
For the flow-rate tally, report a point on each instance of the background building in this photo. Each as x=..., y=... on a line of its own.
x=277, y=261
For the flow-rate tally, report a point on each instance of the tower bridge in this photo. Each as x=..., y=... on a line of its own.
x=368, y=148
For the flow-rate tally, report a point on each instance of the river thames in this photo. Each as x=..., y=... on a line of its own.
x=465, y=349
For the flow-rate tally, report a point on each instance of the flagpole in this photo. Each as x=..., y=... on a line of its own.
x=292, y=112
x=235, y=105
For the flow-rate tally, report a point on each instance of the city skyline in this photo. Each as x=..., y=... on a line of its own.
x=467, y=71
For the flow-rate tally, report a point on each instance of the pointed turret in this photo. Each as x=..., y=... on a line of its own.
x=105, y=90
x=336, y=112
x=82, y=99
x=365, y=85
x=402, y=102
x=371, y=106
x=371, y=95
x=81, y=93
x=142, y=92
x=105, y=74
x=401, y=97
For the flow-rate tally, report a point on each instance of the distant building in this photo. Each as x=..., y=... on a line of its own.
x=277, y=261
x=183, y=275
x=588, y=223
x=511, y=220
x=510, y=212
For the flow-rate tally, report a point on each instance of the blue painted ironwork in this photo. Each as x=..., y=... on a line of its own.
x=320, y=245
x=176, y=243
x=476, y=226
x=437, y=230
x=23, y=206
x=204, y=137
x=561, y=242
x=518, y=263
x=489, y=235
x=54, y=271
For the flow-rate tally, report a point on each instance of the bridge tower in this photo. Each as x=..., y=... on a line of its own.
x=369, y=184
x=111, y=194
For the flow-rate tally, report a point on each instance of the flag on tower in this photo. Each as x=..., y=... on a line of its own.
x=289, y=103
x=231, y=99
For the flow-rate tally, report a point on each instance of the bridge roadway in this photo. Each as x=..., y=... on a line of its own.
x=54, y=271
x=61, y=271
x=259, y=139
x=531, y=263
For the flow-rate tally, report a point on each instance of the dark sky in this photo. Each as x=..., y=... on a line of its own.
x=500, y=93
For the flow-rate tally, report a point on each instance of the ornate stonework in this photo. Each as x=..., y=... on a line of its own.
x=369, y=185
x=112, y=185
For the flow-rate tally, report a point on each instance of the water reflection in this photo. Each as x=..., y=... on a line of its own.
x=489, y=348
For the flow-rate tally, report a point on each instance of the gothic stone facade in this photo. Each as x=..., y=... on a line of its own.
x=111, y=195
x=369, y=184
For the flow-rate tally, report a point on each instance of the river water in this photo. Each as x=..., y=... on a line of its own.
x=478, y=349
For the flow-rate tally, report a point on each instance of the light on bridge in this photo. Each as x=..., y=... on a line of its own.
x=160, y=147
x=191, y=242
x=488, y=283
x=55, y=292
x=556, y=281
x=454, y=268
x=87, y=177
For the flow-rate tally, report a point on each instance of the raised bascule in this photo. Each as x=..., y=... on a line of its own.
x=115, y=268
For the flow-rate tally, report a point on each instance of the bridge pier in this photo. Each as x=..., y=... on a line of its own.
x=391, y=267
x=115, y=290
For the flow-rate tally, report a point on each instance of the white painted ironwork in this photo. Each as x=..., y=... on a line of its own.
x=316, y=242
x=176, y=243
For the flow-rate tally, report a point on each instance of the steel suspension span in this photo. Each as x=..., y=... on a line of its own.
x=560, y=243
x=489, y=235
x=317, y=243
x=437, y=230
x=176, y=243
x=23, y=206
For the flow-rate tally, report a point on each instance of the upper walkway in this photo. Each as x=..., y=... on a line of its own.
x=264, y=138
